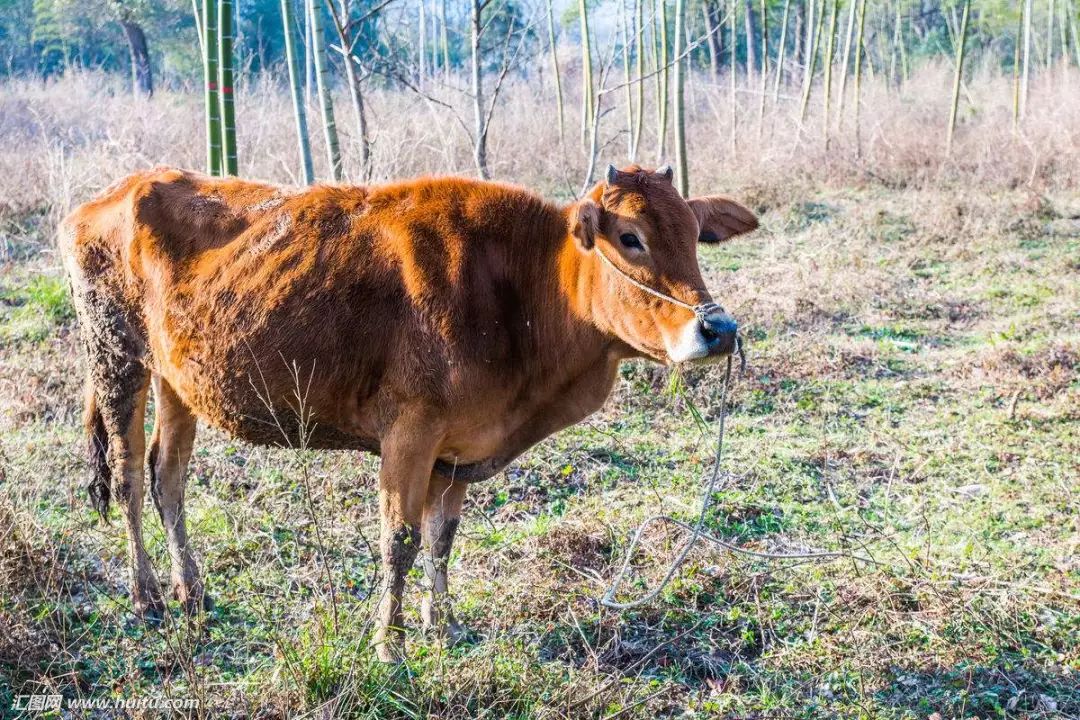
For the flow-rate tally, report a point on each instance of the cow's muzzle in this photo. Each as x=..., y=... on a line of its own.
x=719, y=330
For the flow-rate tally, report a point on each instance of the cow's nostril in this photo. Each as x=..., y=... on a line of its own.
x=719, y=332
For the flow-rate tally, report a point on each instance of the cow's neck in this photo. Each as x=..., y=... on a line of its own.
x=580, y=281
x=581, y=285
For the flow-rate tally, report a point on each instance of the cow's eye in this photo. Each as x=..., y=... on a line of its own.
x=630, y=240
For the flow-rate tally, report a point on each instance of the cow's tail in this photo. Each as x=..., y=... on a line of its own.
x=97, y=448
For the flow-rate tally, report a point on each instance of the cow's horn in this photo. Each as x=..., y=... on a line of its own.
x=612, y=173
x=666, y=171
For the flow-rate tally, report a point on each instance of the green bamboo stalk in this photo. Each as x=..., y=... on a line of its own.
x=225, y=66
x=299, y=111
x=780, y=53
x=682, y=178
x=829, y=69
x=587, y=100
x=554, y=68
x=212, y=96
x=322, y=81
x=958, y=78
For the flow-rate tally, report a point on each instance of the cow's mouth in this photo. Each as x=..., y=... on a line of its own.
x=707, y=339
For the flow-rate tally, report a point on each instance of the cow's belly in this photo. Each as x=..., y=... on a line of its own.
x=260, y=407
x=492, y=436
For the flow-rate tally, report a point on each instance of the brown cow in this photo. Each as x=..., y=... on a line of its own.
x=443, y=323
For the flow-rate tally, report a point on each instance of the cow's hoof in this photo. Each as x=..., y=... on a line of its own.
x=441, y=625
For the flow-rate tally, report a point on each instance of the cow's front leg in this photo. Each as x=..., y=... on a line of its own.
x=442, y=513
x=408, y=453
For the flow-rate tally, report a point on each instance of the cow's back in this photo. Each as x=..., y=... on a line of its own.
x=261, y=304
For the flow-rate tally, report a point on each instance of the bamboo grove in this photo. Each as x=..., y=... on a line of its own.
x=637, y=53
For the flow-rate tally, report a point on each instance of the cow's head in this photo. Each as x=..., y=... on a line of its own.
x=638, y=221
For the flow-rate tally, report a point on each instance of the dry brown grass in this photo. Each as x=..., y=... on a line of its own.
x=67, y=138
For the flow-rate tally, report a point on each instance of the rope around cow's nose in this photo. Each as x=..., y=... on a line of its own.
x=701, y=310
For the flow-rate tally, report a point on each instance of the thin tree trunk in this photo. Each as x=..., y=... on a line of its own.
x=733, y=12
x=764, y=66
x=444, y=40
x=1063, y=28
x=903, y=50
x=422, y=46
x=858, y=75
x=639, y=49
x=228, y=108
x=800, y=31
x=555, y=71
x=197, y=11
x=751, y=38
x=780, y=53
x=1050, y=35
x=356, y=96
x=1026, y=68
x=845, y=62
x=212, y=98
x=433, y=38
x=142, y=79
x=479, y=128
x=1016, y=70
x=808, y=68
x=322, y=81
x=897, y=48
x=624, y=30
x=1074, y=33
x=662, y=85
x=829, y=47
x=299, y=111
x=714, y=59
x=958, y=78
x=682, y=177
x=309, y=55
x=587, y=99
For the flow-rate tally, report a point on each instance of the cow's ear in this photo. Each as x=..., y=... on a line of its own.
x=585, y=223
x=721, y=217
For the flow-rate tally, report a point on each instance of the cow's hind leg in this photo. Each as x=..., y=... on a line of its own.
x=122, y=404
x=442, y=513
x=170, y=450
x=117, y=385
